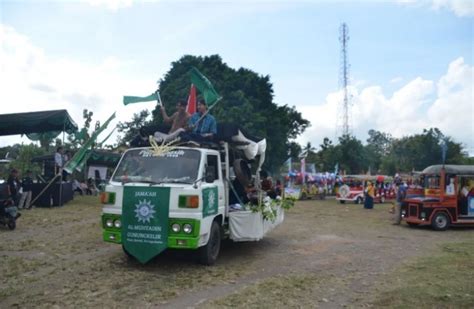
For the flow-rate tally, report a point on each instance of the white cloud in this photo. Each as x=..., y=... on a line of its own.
x=112, y=5
x=461, y=8
x=32, y=81
x=446, y=104
x=396, y=80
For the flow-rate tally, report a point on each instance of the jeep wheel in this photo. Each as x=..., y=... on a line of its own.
x=208, y=254
x=440, y=221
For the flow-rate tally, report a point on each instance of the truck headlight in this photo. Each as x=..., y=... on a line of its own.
x=118, y=223
x=109, y=223
x=187, y=228
x=423, y=215
x=176, y=227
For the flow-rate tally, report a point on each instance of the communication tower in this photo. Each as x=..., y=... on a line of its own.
x=344, y=79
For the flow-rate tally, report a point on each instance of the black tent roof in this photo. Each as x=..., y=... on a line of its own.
x=37, y=122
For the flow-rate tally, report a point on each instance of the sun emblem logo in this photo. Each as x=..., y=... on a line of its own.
x=144, y=211
x=211, y=199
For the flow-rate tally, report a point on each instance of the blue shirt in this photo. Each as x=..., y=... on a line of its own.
x=206, y=125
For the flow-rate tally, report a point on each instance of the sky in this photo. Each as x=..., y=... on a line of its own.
x=411, y=62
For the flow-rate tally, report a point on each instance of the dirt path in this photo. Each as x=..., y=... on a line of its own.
x=324, y=254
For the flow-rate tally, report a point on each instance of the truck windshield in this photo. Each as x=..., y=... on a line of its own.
x=175, y=166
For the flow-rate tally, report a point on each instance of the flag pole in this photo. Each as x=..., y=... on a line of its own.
x=45, y=188
x=60, y=202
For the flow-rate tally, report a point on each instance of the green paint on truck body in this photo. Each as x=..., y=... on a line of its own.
x=210, y=202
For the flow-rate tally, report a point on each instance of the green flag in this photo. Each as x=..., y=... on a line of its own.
x=145, y=221
x=204, y=86
x=80, y=155
x=152, y=97
x=82, y=164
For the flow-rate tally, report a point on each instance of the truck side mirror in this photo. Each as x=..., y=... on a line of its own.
x=210, y=175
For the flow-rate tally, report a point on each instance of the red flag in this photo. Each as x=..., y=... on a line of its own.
x=191, y=108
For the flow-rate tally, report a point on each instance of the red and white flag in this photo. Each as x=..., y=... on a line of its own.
x=191, y=108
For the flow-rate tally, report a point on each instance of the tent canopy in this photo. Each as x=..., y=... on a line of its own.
x=37, y=122
x=97, y=157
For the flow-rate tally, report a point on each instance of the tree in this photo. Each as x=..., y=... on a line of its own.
x=81, y=136
x=421, y=150
x=351, y=154
x=328, y=156
x=25, y=154
x=247, y=101
x=132, y=128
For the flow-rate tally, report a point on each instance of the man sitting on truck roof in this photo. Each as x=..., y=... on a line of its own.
x=202, y=124
x=178, y=122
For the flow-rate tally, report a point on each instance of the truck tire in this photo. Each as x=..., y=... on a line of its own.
x=440, y=221
x=208, y=254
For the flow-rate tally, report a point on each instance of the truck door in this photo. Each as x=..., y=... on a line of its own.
x=214, y=188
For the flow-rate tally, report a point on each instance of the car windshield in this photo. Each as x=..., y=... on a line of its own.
x=432, y=182
x=175, y=166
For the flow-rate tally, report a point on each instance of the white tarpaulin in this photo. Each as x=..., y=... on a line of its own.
x=102, y=172
x=250, y=226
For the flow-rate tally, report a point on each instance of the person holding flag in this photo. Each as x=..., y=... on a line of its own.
x=179, y=121
x=202, y=124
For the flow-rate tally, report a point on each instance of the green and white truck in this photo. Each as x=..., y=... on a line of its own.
x=178, y=198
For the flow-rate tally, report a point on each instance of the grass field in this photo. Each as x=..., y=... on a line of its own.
x=324, y=255
x=443, y=280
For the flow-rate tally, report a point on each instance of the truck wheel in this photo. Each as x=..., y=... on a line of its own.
x=359, y=200
x=208, y=254
x=440, y=221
